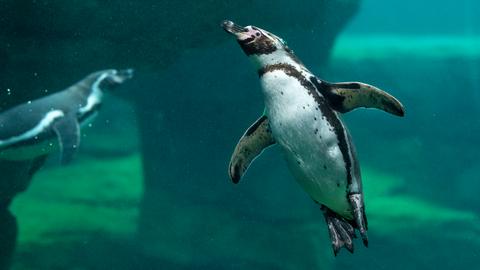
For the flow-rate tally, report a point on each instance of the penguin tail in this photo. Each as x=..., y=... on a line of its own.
x=359, y=217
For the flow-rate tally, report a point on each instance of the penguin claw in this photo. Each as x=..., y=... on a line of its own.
x=365, y=242
x=349, y=228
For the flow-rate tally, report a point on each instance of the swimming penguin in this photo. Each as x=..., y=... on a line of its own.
x=34, y=129
x=302, y=116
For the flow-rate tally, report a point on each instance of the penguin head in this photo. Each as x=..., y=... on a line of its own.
x=107, y=79
x=253, y=40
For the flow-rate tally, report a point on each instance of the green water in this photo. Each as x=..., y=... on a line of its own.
x=149, y=188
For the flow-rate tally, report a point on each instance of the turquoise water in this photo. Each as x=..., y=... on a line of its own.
x=149, y=186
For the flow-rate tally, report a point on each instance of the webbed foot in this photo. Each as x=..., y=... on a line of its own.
x=340, y=230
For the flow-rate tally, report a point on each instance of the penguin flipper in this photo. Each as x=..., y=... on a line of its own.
x=68, y=134
x=253, y=142
x=347, y=96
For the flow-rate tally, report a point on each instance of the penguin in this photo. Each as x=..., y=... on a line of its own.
x=32, y=130
x=302, y=116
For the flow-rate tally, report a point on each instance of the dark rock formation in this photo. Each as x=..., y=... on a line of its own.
x=191, y=92
x=15, y=178
x=8, y=227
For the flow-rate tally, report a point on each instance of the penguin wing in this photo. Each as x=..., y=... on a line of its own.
x=346, y=96
x=68, y=133
x=253, y=142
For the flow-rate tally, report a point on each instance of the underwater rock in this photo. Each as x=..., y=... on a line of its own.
x=83, y=220
x=184, y=115
x=191, y=137
x=16, y=177
x=70, y=216
x=8, y=229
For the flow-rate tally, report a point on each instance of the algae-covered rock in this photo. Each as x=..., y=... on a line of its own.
x=92, y=195
x=86, y=222
x=77, y=206
x=68, y=210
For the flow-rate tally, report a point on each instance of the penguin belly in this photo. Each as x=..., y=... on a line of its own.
x=308, y=141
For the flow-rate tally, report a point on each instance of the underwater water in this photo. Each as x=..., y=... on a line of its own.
x=149, y=186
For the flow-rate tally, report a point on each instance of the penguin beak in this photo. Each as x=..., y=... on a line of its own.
x=232, y=28
x=122, y=75
x=126, y=73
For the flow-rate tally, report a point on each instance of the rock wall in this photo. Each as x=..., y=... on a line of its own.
x=193, y=95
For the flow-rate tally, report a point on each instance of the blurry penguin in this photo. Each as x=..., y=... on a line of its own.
x=32, y=130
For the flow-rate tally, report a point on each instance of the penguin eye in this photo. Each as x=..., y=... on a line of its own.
x=257, y=34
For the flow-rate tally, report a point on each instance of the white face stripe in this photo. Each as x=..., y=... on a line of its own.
x=248, y=34
x=95, y=96
x=39, y=128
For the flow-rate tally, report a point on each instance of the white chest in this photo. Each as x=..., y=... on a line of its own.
x=307, y=138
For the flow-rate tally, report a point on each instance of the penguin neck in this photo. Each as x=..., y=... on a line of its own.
x=278, y=57
x=90, y=90
x=84, y=87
